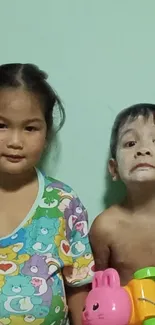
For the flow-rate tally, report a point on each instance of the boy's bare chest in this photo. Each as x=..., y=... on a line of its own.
x=133, y=248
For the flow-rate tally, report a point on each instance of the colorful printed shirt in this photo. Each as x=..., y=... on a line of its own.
x=49, y=247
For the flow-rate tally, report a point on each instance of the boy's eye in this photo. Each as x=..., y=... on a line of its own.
x=31, y=128
x=95, y=306
x=3, y=126
x=130, y=143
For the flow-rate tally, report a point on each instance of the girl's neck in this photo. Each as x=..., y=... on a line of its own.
x=14, y=182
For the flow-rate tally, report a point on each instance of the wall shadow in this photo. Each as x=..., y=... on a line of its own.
x=50, y=160
x=114, y=191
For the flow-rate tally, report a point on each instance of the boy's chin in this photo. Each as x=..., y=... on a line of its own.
x=141, y=176
x=140, y=180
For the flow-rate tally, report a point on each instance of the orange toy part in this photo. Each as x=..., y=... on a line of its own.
x=142, y=294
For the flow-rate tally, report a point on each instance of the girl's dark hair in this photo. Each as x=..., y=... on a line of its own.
x=128, y=114
x=33, y=79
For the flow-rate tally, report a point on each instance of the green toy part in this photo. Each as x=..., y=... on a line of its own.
x=150, y=321
x=146, y=273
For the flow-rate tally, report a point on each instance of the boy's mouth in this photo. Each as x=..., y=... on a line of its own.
x=142, y=165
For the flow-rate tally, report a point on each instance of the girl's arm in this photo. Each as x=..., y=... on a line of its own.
x=76, y=300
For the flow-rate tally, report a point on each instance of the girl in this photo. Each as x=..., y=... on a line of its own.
x=43, y=233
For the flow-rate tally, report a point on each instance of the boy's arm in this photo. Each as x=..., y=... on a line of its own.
x=100, y=241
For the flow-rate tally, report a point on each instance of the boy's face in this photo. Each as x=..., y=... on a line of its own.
x=135, y=156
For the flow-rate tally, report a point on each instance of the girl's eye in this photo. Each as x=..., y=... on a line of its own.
x=31, y=128
x=130, y=143
x=153, y=140
x=3, y=126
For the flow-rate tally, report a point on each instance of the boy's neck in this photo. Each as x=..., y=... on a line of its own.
x=141, y=199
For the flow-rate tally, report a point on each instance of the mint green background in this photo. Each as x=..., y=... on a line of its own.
x=100, y=56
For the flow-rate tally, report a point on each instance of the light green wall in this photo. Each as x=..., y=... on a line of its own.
x=100, y=56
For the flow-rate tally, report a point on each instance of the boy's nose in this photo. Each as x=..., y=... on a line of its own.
x=143, y=152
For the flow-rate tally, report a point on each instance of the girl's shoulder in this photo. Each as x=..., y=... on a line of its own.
x=58, y=190
x=52, y=183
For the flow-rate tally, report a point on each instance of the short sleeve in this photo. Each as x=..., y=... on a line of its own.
x=80, y=267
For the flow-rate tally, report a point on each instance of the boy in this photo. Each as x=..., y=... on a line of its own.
x=123, y=236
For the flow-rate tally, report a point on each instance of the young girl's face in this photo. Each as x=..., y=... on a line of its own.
x=22, y=130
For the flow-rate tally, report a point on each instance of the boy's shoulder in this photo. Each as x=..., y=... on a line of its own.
x=109, y=215
x=107, y=221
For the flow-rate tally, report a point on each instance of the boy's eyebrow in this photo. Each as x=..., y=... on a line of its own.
x=125, y=132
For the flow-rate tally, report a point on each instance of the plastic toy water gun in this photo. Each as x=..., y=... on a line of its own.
x=110, y=304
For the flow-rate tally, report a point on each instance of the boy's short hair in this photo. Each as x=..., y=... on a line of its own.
x=130, y=114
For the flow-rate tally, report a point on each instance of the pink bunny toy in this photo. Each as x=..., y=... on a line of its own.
x=107, y=303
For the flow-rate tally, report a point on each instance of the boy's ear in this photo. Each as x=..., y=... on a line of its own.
x=113, y=169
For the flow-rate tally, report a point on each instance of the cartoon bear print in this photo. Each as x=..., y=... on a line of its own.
x=41, y=280
x=10, y=261
x=17, y=295
x=40, y=236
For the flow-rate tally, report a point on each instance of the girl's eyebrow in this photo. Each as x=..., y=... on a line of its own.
x=32, y=120
x=35, y=119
